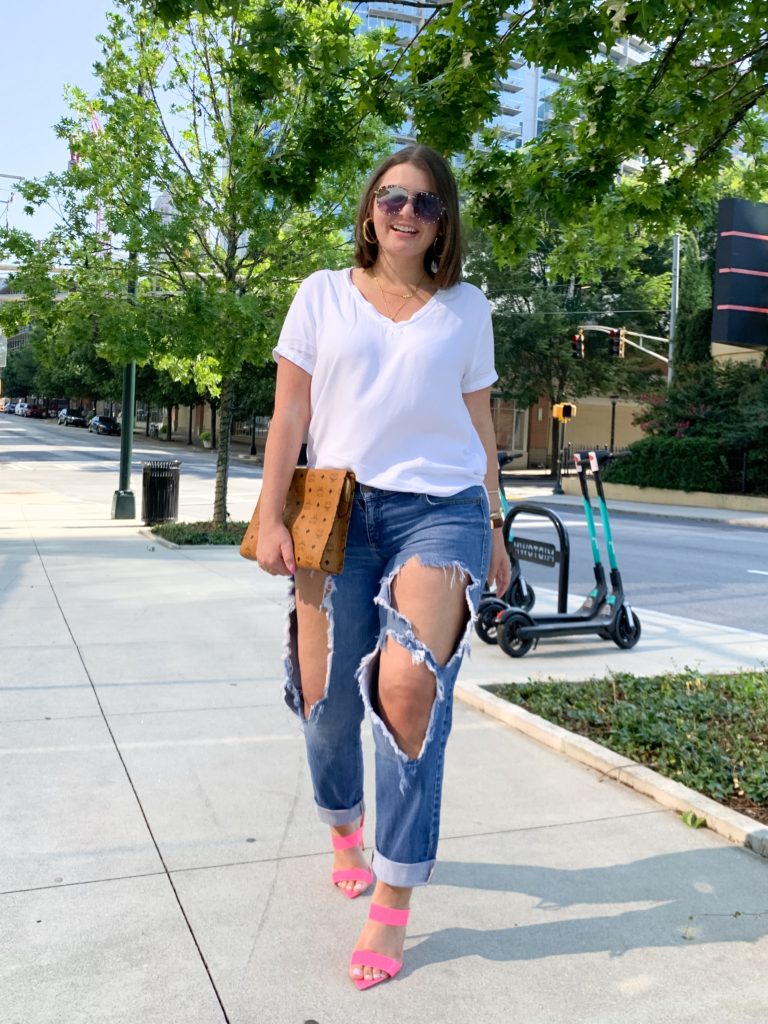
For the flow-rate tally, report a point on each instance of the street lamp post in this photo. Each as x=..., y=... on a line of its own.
x=614, y=399
x=673, y=305
x=253, y=433
x=123, y=500
x=558, y=488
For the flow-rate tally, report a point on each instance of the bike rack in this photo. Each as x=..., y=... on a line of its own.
x=539, y=552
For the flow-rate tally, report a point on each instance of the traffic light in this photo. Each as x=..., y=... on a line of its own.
x=577, y=345
x=616, y=342
x=563, y=411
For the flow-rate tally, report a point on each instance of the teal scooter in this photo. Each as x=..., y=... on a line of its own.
x=491, y=608
x=517, y=631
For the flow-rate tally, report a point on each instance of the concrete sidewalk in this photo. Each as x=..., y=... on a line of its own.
x=161, y=861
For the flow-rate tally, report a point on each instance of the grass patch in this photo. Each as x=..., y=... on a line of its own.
x=201, y=533
x=709, y=732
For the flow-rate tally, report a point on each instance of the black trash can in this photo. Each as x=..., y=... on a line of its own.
x=160, y=491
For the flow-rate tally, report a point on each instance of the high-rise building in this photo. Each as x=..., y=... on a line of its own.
x=525, y=94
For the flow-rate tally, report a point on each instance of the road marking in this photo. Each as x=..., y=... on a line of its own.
x=758, y=572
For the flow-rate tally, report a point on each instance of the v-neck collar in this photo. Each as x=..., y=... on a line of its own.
x=361, y=299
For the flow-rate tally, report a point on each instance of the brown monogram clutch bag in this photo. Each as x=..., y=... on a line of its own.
x=318, y=507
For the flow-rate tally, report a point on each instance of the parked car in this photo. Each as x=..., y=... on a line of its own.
x=38, y=412
x=21, y=408
x=104, y=425
x=72, y=418
x=10, y=407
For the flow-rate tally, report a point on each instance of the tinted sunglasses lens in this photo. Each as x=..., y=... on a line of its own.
x=391, y=199
x=427, y=207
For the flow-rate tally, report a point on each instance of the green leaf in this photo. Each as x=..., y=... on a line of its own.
x=693, y=820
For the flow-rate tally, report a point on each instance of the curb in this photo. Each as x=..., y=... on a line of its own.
x=164, y=543
x=737, y=827
x=160, y=540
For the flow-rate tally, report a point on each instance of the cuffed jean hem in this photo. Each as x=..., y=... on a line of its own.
x=407, y=876
x=340, y=817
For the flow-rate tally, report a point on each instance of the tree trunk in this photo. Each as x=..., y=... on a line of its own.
x=169, y=432
x=226, y=409
x=189, y=431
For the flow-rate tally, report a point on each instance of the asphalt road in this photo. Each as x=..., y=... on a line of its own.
x=710, y=572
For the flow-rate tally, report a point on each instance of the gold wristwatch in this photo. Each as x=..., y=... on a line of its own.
x=497, y=520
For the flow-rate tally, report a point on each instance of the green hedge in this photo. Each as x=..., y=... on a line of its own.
x=684, y=464
x=201, y=533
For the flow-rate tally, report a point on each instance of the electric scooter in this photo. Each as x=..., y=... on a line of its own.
x=519, y=593
x=592, y=602
x=613, y=619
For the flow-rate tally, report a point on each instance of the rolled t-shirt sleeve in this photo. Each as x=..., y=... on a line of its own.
x=480, y=368
x=298, y=337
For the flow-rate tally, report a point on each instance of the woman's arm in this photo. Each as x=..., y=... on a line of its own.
x=479, y=405
x=287, y=431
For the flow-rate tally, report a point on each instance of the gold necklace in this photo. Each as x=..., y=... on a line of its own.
x=406, y=298
x=404, y=295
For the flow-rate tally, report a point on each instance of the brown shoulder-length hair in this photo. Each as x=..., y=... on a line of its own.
x=447, y=250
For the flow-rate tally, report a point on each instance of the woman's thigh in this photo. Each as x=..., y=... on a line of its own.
x=435, y=576
x=336, y=617
x=428, y=596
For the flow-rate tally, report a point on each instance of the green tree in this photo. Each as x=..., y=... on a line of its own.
x=676, y=116
x=535, y=316
x=693, y=337
x=19, y=374
x=228, y=160
x=726, y=402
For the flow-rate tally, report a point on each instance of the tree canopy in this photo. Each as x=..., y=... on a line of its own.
x=229, y=177
x=673, y=120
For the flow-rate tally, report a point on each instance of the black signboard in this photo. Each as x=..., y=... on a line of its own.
x=536, y=551
x=740, y=313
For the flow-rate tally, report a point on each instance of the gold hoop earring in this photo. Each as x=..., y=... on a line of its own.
x=370, y=241
x=437, y=256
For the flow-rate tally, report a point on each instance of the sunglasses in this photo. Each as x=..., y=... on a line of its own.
x=391, y=199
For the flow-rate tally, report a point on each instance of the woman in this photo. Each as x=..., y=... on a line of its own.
x=387, y=370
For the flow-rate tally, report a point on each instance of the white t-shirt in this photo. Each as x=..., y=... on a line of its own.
x=386, y=398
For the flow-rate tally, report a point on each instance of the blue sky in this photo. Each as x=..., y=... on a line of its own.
x=43, y=45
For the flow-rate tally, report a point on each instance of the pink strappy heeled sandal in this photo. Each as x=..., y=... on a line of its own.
x=369, y=958
x=351, y=874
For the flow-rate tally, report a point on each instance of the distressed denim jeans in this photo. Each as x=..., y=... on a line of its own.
x=387, y=529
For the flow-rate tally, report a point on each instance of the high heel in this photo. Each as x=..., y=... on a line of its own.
x=368, y=957
x=351, y=874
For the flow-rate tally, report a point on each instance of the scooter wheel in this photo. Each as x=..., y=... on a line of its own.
x=627, y=629
x=485, y=623
x=507, y=632
x=520, y=595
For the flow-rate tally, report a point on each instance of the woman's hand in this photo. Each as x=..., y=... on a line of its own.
x=499, y=571
x=274, y=552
